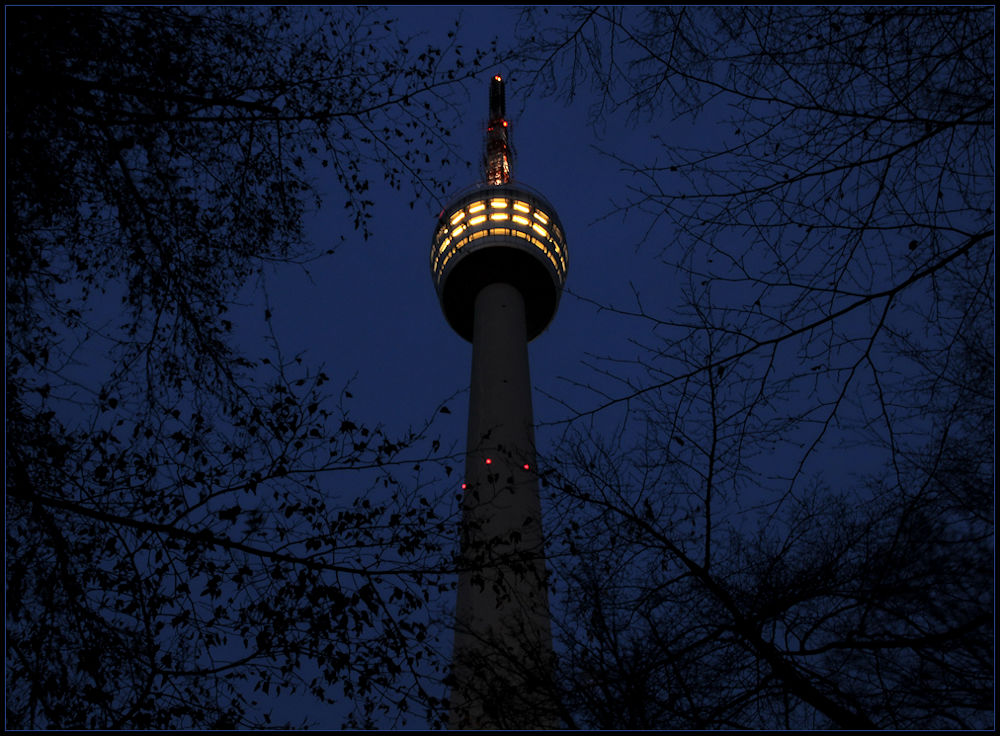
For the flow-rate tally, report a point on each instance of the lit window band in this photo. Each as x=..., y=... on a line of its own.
x=551, y=243
x=557, y=264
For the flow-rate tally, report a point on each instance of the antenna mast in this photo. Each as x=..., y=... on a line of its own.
x=499, y=155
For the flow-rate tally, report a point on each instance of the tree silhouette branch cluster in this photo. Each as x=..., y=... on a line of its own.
x=190, y=527
x=792, y=525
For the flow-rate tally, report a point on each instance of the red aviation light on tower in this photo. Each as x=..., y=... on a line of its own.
x=499, y=155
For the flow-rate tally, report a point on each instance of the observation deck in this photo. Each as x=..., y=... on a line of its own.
x=499, y=233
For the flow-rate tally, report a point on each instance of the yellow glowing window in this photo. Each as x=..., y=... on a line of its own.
x=521, y=207
x=498, y=204
x=478, y=219
x=444, y=244
x=457, y=230
x=539, y=229
x=477, y=207
x=457, y=217
x=520, y=220
x=480, y=234
x=540, y=216
x=499, y=216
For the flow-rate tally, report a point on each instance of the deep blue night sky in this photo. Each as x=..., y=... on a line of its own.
x=371, y=309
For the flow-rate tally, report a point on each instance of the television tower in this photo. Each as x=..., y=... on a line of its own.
x=498, y=258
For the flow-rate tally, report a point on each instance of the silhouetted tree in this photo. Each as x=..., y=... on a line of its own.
x=792, y=526
x=177, y=538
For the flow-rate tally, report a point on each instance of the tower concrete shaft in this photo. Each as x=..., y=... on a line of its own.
x=503, y=644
